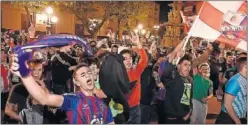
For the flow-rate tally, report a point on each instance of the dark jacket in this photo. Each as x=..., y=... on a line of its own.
x=113, y=80
x=176, y=89
x=147, y=85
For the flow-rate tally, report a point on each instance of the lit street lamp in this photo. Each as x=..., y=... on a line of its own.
x=156, y=27
x=48, y=19
x=140, y=30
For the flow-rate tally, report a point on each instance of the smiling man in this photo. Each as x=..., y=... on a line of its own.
x=82, y=107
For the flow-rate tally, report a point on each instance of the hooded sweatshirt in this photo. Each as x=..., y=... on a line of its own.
x=178, y=92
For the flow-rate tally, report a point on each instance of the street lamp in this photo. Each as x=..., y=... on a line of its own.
x=48, y=19
x=156, y=27
x=140, y=30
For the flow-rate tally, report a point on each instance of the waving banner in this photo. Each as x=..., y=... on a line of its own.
x=224, y=21
x=25, y=52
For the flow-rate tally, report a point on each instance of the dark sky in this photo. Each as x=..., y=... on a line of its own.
x=164, y=9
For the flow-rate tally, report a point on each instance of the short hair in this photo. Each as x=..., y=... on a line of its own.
x=185, y=57
x=228, y=54
x=115, y=46
x=33, y=63
x=243, y=53
x=240, y=63
x=78, y=67
x=203, y=64
x=93, y=41
x=126, y=51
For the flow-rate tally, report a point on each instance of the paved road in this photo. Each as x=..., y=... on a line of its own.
x=213, y=110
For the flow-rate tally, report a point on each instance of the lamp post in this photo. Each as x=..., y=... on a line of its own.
x=49, y=20
x=140, y=30
x=156, y=27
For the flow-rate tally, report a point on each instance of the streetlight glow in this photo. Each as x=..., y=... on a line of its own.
x=54, y=19
x=136, y=30
x=49, y=10
x=143, y=31
x=140, y=26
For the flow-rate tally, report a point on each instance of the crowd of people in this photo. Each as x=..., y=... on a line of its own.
x=67, y=86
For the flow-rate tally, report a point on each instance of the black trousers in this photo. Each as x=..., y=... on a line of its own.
x=145, y=113
x=160, y=111
x=119, y=119
x=224, y=118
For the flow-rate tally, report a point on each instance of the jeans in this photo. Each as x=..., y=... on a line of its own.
x=145, y=114
x=134, y=115
x=199, y=113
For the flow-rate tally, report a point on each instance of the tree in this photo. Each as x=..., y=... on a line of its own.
x=31, y=7
x=128, y=11
x=82, y=10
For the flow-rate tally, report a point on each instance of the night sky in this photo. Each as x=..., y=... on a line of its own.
x=164, y=9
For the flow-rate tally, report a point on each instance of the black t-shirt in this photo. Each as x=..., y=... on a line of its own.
x=227, y=70
x=215, y=68
x=60, y=72
x=19, y=96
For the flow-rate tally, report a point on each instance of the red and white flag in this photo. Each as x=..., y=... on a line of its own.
x=188, y=21
x=217, y=17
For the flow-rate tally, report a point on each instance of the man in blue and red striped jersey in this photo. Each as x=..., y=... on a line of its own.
x=82, y=107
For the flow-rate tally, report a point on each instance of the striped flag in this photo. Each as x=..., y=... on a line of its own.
x=223, y=21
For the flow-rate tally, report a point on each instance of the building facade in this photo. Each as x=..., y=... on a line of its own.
x=174, y=27
x=16, y=18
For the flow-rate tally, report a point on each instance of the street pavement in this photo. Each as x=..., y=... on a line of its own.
x=214, y=108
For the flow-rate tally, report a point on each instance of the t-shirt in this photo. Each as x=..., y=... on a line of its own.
x=18, y=96
x=237, y=86
x=186, y=97
x=202, y=86
x=81, y=109
x=228, y=70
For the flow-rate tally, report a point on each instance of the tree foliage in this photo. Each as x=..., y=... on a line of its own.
x=31, y=7
x=126, y=11
x=86, y=11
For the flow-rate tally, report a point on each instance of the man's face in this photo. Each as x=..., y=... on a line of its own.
x=229, y=59
x=128, y=61
x=204, y=70
x=85, y=79
x=94, y=70
x=184, y=68
x=37, y=72
x=93, y=44
x=115, y=50
x=78, y=51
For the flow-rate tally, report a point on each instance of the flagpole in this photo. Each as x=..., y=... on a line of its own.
x=184, y=47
